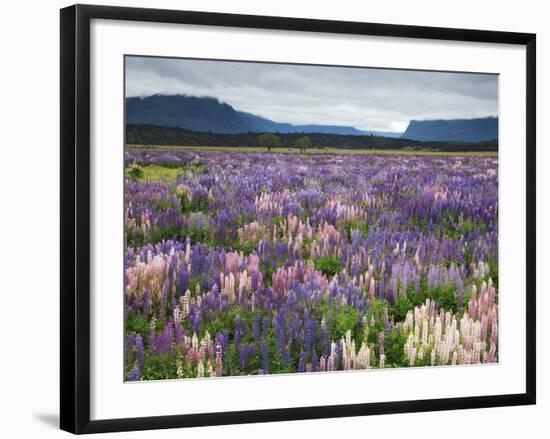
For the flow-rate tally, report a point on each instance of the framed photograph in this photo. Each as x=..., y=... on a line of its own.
x=274, y=218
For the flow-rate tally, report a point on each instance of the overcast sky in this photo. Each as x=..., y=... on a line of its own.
x=368, y=99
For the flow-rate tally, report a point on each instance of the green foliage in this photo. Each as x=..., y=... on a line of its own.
x=198, y=234
x=303, y=143
x=402, y=307
x=153, y=172
x=134, y=171
x=446, y=296
x=375, y=319
x=346, y=318
x=449, y=226
x=360, y=225
x=196, y=204
x=493, y=272
x=159, y=234
x=394, y=349
x=328, y=265
x=308, y=241
x=277, y=220
x=193, y=283
x=269, y=141
x=160, y=367
x=244, y=219
x=418, y=223
x=138, y=324
x=268, y=271
x=246, y=247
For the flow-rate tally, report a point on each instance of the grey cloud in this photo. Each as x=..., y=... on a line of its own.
x=365, y=98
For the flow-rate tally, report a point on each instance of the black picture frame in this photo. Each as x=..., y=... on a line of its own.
x=75, y=217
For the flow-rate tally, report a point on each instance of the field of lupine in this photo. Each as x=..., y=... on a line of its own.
x=243, y=263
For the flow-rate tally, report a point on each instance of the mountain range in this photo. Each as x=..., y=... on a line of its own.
x=209, y=115
x=459, y=130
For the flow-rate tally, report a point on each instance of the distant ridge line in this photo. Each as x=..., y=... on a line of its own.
x=208, y=114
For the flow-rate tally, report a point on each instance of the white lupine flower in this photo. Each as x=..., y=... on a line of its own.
x=425, y=332
x=454, y=358
x=200, y=370
x=448, y=338
x=382, y=361
x=412, y=356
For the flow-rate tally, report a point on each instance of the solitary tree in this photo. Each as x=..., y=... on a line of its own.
x=269, y=141
x=302, y=143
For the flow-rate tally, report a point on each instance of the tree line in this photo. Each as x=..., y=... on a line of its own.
x=140, y=134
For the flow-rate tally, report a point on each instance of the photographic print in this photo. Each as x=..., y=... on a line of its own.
x=293, y=218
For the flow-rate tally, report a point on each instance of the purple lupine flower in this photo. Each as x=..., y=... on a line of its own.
x=310, y=327
x=139, y=350
x=302, y=362
x=146, y=301
x=197, y=324
x=265, y=326
x=246, y=351
x=407, y=204
x=237, y=335
x=134, y=374
x=382, y=288
x=257, y=326
x=162, y=343
x=339, y=355
x=314, y=362
x=265, y=357
x=129, y=344
x=183, y=280
x=152, y=341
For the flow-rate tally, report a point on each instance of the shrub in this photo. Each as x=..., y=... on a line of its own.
x=328, y=265
x=135, y=171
